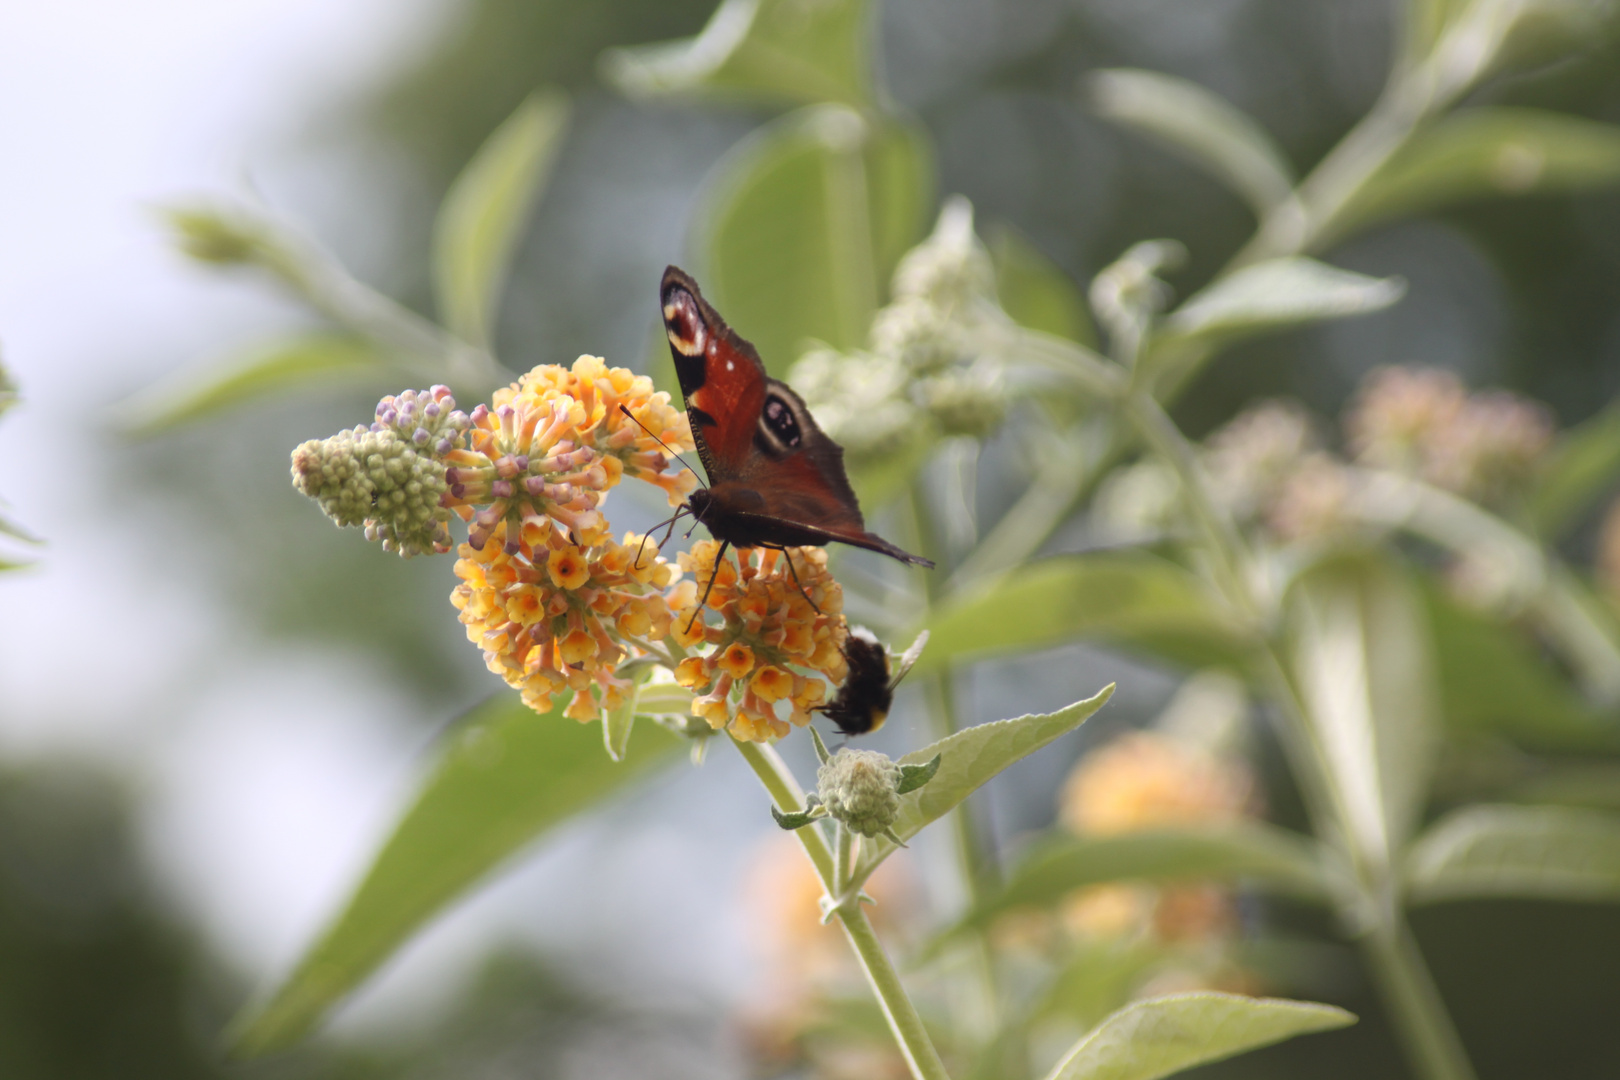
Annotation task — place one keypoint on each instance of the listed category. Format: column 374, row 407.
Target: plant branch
column 904, row 1021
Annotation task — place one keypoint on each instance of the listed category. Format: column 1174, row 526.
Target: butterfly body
column 775, row 478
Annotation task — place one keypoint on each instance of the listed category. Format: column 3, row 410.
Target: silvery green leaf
column 483, row 214
column 302, row 360
column 771, row 49
column 1363, row 663
column 1161, row 1036
column 913, row 777
column 969, row 759
column 1273, row 295
column 1544, row 852
column 1201, row 126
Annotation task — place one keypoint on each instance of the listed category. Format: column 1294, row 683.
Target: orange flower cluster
column 552, row 615
column 551, row 444
column 775, row 619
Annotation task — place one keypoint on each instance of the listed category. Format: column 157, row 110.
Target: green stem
column 904, row 1020
column 1430, row 1039
column 1419, row 1013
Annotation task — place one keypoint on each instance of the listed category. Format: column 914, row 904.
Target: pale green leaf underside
column 1161, row 1036
column 505, row 776
column 970, row 758
column 1200, row 125
column 804, row 223
column 482, row 216
column 1486, row 153
column 1130, row 598
column 771, row 48
column 1271, row 857
column 268, row 369
column 1276, row 294
column 1548, row 852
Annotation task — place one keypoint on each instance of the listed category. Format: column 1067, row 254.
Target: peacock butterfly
column 775, row 479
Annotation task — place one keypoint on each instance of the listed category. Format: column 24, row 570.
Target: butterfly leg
column 792, row 570
column 724, row 544
column 671, row 523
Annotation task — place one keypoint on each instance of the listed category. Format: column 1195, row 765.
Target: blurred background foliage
column 981, row 99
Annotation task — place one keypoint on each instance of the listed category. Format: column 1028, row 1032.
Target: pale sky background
column 266, row 780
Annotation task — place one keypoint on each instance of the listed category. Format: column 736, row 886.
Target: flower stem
column 904, row 1020
column 1419, row 1013
column 1428, row 1035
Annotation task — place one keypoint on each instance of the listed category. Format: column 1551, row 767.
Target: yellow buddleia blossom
column 552, row 615
column 779, row 629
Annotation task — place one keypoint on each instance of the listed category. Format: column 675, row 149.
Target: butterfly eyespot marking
column 779, row 425
column 684, row 324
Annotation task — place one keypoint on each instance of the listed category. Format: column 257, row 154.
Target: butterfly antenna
column 668, row 521
column 724, row 544
column 662, row 443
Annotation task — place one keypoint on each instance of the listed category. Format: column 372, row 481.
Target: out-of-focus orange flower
column 1143, row 779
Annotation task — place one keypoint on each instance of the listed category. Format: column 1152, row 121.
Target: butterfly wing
column 775, row 477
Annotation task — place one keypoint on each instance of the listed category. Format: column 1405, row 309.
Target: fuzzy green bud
column 861, row 788
column 378, row 480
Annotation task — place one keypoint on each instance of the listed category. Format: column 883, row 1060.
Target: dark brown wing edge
column 868, row 540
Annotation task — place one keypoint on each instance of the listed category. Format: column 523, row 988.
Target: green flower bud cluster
column 926, row 375
column 389, row 478
column 861, row 789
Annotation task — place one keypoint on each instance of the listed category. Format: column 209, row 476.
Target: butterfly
column 775, row 479
column 862, row 702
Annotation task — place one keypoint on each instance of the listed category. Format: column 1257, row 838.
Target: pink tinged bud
column 521, row 462
column 535, row 485
column 444, row 446
column 420, row 436
column 478, row 414
column 432, row 410
column 501, row 489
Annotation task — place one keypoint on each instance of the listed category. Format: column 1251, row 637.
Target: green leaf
column 1486, row 153
column 1273, row 295
column 969, row 759
column 483, row 214
column 506, row 776
column 1495, row 679
column 913, row 777
column 1036, row 292
column 1097, row 977
column 1581, row 469
column 806, row 222
column 1164, row 1035
column 1545, row 852
column 1204, row 128
column 1271, row 857
column 770, row 49
column 306, row 359
column 1363, row 664
column 797, row 820
column 1125, row 597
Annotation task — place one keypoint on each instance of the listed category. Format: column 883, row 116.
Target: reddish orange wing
column 775, row 478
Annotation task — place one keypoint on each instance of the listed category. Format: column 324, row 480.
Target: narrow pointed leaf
column 796, row 820
column 970, row 758
column 1036, row 292
column 770, row 49
column 1543, row 852
column 1488, row 153
column 1128, row 598
column 1274, row 295
column 1201, row 126
column 1582, row 469
column 1164, row 1035
column 303, row 360
column 805, row 223
column 1363, row 663
column 483, row 215
column 506, row 775
column 1265, row 855
column 913, row 777
column 1495, row 678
